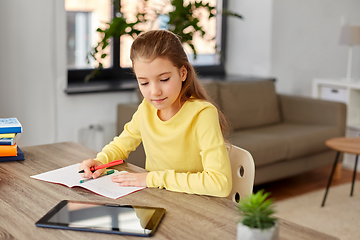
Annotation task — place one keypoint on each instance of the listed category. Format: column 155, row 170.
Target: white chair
column 243, row 172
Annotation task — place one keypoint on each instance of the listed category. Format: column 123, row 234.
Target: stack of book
column 10, row 132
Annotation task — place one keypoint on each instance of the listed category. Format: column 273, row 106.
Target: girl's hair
column 165, row 44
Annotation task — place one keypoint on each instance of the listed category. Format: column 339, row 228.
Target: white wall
column 305, row 42
column 33, row 76
column 248, row 46
column 292, row 40
column 27, row 64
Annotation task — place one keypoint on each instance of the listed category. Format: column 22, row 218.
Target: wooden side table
column 343, row 145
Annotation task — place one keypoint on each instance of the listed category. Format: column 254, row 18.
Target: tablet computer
column 103, row 218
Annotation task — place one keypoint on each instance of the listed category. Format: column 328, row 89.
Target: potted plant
column 257, row 221
column 182, row 19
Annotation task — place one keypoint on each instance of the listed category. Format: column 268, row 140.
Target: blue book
column 20, row 156
column 10, row 125
column 10, row 141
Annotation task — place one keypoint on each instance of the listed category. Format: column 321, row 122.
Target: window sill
column 101, row 86
column 131, row 84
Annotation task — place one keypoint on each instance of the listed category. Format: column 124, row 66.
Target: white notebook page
column 103, row 185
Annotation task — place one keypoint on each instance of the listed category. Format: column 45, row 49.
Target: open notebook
column 103, row 185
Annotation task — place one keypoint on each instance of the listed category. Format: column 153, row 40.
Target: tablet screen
column 106, row 218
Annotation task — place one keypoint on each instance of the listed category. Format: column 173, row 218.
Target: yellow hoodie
column 186, row 153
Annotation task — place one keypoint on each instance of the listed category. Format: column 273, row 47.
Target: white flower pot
column 246, row 233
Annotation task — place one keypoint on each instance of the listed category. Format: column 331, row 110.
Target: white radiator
column 96, row 136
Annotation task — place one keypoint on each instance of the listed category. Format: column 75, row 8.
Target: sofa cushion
column 283, row 141
column 265, row 148
column 249, row 103
column 304, row 139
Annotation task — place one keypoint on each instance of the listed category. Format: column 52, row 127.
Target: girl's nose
column 156, row 90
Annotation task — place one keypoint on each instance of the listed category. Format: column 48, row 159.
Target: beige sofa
column 284, row 134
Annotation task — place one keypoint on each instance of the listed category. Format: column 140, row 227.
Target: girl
column 180, row 129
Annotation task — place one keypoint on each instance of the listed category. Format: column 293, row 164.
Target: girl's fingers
column 127, row 183
column 130, row 179
column 121, row 177
column 97, row 173
column 86, row 165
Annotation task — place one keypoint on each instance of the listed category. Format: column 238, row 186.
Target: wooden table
column 24, row 200
column 342, row 145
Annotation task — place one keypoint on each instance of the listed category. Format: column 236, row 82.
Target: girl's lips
column 158, row 100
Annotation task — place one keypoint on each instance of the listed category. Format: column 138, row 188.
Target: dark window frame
column 120, row 79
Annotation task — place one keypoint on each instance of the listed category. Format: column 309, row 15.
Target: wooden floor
column 304, row 183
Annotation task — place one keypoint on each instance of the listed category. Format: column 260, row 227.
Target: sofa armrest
column 124, row 115
column 309, row 110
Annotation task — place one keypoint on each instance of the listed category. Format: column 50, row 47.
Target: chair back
column 243, row 172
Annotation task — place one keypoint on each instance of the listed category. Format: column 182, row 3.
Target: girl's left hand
column 130, row 179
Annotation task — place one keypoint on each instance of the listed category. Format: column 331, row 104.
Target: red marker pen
column 110, row 164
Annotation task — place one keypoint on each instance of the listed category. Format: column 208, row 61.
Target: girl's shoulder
column 197, row 106
column 200, row 104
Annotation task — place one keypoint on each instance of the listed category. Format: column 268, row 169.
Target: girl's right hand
column 87, row 164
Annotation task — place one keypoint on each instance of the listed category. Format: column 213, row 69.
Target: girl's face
column 160, row 83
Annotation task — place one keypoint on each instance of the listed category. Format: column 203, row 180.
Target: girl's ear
column 183, row 73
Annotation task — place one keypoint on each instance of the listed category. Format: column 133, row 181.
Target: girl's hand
column 130, row 179
column 86, row 164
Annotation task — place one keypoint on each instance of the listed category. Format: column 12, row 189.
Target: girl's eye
column 143, row 83
column 164, row 80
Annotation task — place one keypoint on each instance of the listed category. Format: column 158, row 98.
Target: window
column 85, row 16
column 78, row 39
